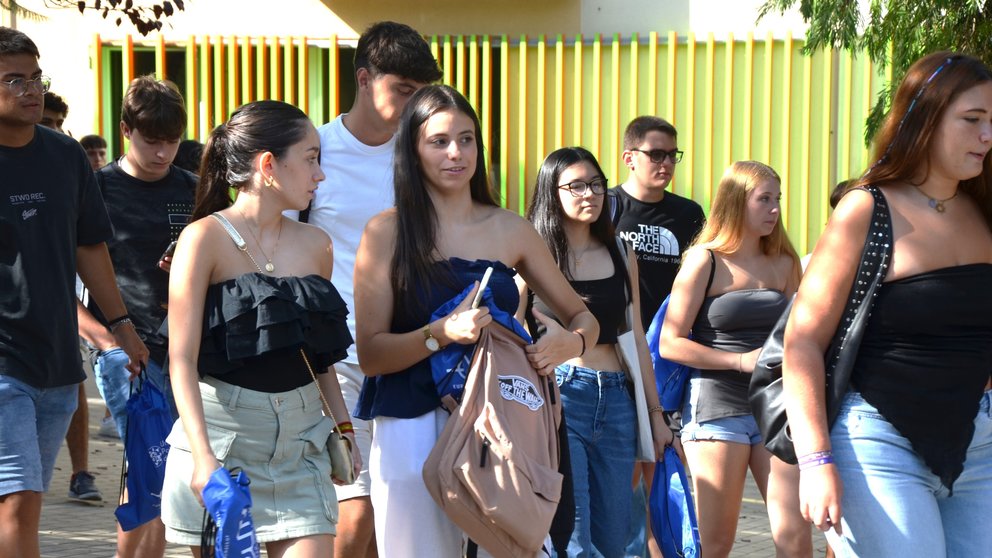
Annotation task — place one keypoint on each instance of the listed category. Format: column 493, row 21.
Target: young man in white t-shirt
column 392, row 61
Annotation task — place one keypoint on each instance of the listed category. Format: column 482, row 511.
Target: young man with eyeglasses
column 659, row 226
column 53, row 224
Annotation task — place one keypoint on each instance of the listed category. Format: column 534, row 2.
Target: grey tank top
column 737, row 322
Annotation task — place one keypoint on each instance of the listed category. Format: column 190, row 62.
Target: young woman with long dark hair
column 445, row 230
column 249, row 327
column 568, row 210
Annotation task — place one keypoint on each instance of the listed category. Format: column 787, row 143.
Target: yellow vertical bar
column 504, row 119
column 303, row 75
column 577, row 93
column 192, row 91
column 127, row 61
column 560, row 91
column 542, row 87
column 612, row 132
column 652, row 74
column 275, row 70
column 690, row 110
column 522, row 125
column 97, row 54
column 787, row 119
column 219, row 82
column 866, row 100
column 672, row 51
column 436, row 51
column 288, row 72
column 261, row 69
column 473, row 71
column 207, row 81
column 769, row 58
column 233, row 75
column 708, row 116
column 748, row 93
column 160, row 69
column 597, row 82
column 806, row 156
column 827, row 113
column 844, row 116
column 487, row 96
column 460, row 71
column 247, row 74
column 449, row 61
column 632, row 79
column 333, row 99
column 728, row 105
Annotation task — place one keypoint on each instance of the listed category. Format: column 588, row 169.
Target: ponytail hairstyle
column 415, row 257
column 548, row 216
column 229, row 156
column 904, row 142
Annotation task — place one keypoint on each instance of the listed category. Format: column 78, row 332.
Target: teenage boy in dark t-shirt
column 659, row 226
column 52, row 226
column 149, row 201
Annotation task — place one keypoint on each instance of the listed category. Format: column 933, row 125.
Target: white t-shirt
column 358, row 184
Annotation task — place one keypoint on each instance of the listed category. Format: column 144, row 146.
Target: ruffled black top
column 254, row 326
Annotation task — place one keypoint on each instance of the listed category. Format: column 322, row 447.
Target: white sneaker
column 108, row 428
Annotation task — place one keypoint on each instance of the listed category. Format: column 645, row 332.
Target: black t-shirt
column 50, row 205
column 658, row 233
column 147, row 216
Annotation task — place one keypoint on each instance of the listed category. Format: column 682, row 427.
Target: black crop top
column 605, row 298
column 926, row 357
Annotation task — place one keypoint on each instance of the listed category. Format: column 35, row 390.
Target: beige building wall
column 65, row 37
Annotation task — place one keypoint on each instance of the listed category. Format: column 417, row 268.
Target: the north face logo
column 521, row 390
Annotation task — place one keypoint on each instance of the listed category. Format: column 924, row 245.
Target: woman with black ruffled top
column 444, row 232
column 252, row 315
column 905, row 470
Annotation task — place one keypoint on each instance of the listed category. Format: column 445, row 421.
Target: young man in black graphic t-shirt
column 659, row 226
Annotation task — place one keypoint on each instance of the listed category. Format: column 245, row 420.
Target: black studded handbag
column 766, row 395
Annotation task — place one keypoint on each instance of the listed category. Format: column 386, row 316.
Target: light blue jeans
column 602, row 428
column 893, row 505
column 113, row 382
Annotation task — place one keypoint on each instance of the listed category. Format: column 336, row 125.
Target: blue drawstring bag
column 670, row 377
column 673, row 517
column 450, row 365
column 149, row 422
column 228, row 530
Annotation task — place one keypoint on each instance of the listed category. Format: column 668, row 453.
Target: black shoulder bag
column 766, row 396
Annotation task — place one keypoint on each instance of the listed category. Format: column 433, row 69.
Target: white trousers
column 408, row 524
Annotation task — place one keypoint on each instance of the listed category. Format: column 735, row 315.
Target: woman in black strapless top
column 905, row 470
column 734, row 284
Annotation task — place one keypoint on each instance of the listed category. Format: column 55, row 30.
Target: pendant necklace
column 934, row 203
column 269, row 266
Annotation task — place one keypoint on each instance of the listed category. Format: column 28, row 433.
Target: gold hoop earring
column 269, row 181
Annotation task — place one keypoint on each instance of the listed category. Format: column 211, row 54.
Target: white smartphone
column 482, row 287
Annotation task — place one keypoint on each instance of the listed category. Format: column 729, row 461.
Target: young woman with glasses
column 735, row 282
column 568, row 212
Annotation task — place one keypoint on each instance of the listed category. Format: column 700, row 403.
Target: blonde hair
column 724, row 229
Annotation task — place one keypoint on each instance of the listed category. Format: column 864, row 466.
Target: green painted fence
column 731, row 98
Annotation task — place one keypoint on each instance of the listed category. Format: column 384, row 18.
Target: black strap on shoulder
column 614, row 204
column 709, row 283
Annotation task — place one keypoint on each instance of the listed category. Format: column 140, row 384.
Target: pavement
column 70, row 529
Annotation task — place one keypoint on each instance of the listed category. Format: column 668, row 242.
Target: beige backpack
column 494, row 469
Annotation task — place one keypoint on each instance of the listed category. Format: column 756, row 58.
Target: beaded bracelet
column 826, row 460
column 112, row 325
column 656, row 409
column 344, row 427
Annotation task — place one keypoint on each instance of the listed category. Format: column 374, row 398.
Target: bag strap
column 239, row 241
column 629, row 314
column 709, row 283
column 327, row 406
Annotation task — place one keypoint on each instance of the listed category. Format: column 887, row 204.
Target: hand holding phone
column 169, row 251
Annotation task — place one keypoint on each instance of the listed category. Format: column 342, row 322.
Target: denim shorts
column 113, row 379
column 33, row 423
column 279, row 440
column 740, row 429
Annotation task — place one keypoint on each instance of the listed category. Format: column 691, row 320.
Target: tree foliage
column 143, row 15
column 893, row 33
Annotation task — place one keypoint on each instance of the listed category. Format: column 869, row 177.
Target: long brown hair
column 905, row 140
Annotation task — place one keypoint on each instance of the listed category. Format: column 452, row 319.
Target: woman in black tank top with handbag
column 735, row 282
column 905, row 469
column 568, row 212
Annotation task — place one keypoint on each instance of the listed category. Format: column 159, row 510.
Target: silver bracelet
column 118, row 323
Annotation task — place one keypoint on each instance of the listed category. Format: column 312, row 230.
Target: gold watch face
column 432, row 344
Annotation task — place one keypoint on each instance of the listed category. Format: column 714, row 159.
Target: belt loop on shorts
column 232, row 403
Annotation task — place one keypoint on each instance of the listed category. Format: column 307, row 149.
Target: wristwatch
column 430, row 341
